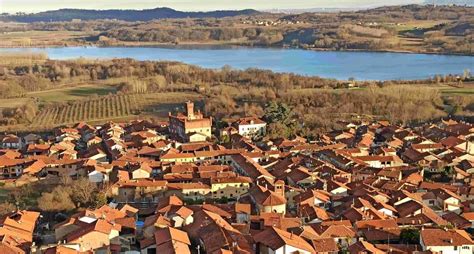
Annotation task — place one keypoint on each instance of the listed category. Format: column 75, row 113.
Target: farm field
column 40, row 38
column 73, row 93
column 110, row 107
column 416, row 24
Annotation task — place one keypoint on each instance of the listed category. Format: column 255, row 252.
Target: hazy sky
column 190, row 5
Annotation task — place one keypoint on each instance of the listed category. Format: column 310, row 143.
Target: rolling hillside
column 126, row 15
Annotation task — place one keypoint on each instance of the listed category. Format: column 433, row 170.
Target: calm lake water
column 339, row 65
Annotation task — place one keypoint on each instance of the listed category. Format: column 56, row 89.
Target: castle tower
column 190, row 110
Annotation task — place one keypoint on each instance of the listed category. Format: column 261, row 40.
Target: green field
column 73, row 93
column 459, row 91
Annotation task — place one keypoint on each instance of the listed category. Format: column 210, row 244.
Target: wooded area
column 85, row 90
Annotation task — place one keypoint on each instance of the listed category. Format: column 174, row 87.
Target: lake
column 329, row 64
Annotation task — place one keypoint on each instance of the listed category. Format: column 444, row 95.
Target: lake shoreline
column 341, row 65
column 230, row 45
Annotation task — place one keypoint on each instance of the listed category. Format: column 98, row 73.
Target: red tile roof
column 276, row 238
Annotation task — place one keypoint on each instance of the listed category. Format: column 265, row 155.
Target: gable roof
column 275, row 238
column 440, row 237
column 171, row 240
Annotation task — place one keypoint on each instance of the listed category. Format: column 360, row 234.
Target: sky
column 12, row 6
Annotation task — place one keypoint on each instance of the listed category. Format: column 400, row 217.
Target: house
column 12, row 142
column 95, row 153
column 141, row 171
column 313, row 214
column 32, row 139
column 454, row 142
column 154, row 222
column 37, row 149
column 245, row 166
column 378, row 230
column 192, row 191
column 67, row 134
column 35, row 168
column 470, row 217
column 313, row 197
column 267, row 200
column 427, row 147
column 146, row 137
column 191, row 125
column 93, row 140
column 448, row 200
column 228, row 132
column 215, row 234
column 242, row 212
column 446, row 241
column 100, row 173
column 325, row 246
column 340, row 231
column 364, row 247
column 124, row 220
column 11, row 167
column 229, row 187
column 250, row 127
column 138, row 190
column 16, row 231
column 172, row 208
column 336, row 188
column 377, row 161
column 275, row 240
column 92, row 234
column 65, row 167
column 167, row 240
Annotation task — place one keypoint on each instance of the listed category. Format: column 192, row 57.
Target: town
column 187, row 185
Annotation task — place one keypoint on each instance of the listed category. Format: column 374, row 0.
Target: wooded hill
column 126, row 15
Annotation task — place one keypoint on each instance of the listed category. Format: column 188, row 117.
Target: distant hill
column 126, row 15
column 449, row 2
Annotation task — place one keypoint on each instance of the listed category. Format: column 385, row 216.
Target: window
column 455, row 247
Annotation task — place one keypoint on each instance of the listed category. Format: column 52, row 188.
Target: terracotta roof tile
column 440, row 237
column 276, row 238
